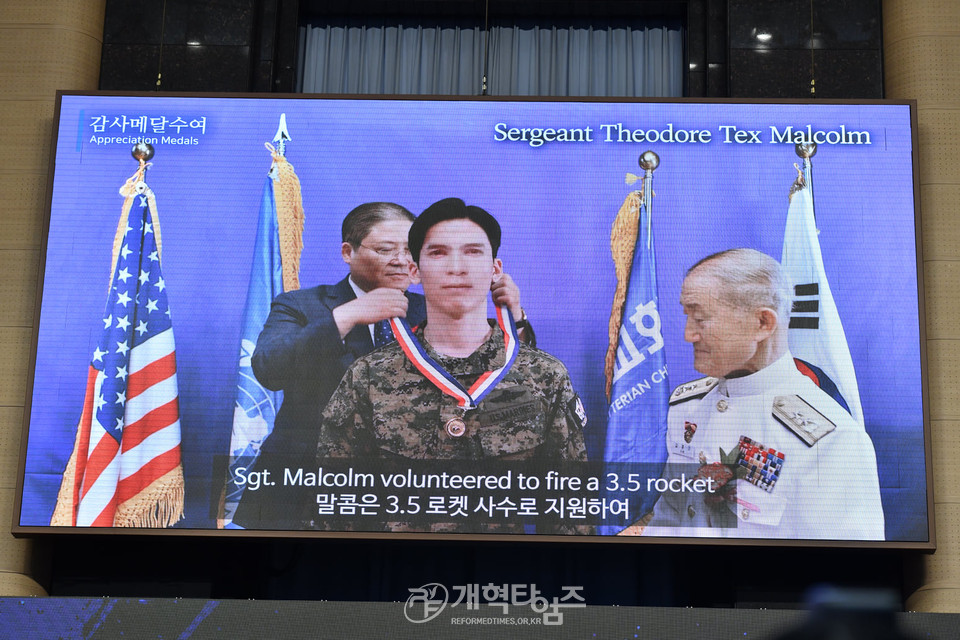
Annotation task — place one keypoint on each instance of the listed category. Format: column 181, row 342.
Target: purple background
column 555, row 202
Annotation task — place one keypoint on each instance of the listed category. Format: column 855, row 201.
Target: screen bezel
column 36, row 530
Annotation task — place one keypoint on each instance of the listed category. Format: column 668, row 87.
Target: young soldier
column 313, row 335
column 455, row 388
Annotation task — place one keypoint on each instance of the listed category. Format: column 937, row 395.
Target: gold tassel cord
column 290, row 217
column 129, row 191
column 623, row 242
column 798, row 184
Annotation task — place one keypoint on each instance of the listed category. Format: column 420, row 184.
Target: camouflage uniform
column 385, row 408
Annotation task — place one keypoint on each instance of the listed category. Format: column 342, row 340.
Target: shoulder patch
column 799, row 416
column 575, row 407
column 692, row 390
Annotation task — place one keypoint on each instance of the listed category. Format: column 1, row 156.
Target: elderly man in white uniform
column 776, row 457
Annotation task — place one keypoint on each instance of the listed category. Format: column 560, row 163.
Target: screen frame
column 928, row 545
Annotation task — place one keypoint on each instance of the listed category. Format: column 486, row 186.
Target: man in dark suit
column 313, row 335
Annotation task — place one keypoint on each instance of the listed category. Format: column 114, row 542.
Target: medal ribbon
column 431, row 369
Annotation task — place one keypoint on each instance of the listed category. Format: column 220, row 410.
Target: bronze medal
column 467, row 399
column 455, row 427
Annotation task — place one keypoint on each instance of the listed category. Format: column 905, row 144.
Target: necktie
column 382, row 333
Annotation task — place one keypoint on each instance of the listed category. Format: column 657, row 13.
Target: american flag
column 125, row 469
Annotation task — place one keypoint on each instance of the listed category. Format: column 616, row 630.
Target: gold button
column 722, row 405
column 691, row 511
column 745, row 514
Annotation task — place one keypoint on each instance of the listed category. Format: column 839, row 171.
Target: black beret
column 451, row 209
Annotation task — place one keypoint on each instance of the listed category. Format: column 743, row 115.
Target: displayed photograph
column 637, row 321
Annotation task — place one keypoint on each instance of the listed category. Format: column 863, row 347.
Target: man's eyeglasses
column 390, row 252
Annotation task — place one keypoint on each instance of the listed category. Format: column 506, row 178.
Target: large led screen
column 707, row 321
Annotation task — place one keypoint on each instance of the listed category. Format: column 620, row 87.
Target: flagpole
column 817, row 339
column 806, row 151
column 636, row 424
column 648, row 161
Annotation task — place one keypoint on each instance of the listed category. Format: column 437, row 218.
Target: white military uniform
column 827, row 489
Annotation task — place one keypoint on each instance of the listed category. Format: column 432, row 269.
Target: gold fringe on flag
column 159, row 505
column 65, row 512
column 222, row 505
column 290, row 217
column 623, row 242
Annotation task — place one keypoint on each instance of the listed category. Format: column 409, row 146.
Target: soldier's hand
column 376, row 305
column 506, row 293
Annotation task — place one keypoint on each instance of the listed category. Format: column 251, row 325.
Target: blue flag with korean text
column 637, row 385
column 276, row 257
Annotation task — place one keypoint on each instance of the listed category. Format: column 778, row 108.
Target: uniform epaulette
column 693, row 390
column 799, row 416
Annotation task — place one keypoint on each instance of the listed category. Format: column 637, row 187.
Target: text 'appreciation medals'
column 466, row 398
